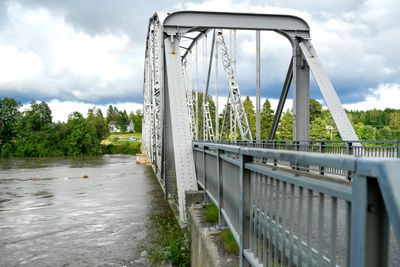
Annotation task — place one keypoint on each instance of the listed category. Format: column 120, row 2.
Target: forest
column 32, row 133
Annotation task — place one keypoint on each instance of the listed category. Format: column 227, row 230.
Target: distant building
column 130, row 127
column 113, row 127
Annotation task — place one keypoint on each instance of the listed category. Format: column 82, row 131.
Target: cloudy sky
column 79, row 53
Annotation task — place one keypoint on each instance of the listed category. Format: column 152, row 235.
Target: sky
column 78, row 54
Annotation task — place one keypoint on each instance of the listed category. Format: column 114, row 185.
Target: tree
column 285, row 128
column 82, row 136
column 95, row 117
column 37, row 116
column 112, row 113
column 251, row 114
column 137, row 119
column 122, row 120
column 267, row 118
column 318, row 130
column 394, row 122
column 9, row 113
column 315, row 109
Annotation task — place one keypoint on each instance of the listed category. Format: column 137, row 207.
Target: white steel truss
column 240, row 116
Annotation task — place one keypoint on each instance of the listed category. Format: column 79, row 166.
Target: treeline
column 369, row 125
column 31, row 133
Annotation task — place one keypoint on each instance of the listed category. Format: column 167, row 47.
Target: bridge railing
column 293, row 217
column 360, row 148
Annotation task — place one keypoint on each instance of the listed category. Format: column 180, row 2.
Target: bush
column 211, row 213
column 7, row 150
column 168, row 242
column 229, row 242
column 123, row 148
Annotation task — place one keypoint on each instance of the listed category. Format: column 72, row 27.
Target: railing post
column 206, row 200
column 369, row 224
column 221, row 221
column 398, row 149
column 349, row 151
column 244, row 208
column 322, row 150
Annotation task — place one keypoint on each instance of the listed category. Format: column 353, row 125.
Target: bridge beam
column 301, row 99
column 180, row 124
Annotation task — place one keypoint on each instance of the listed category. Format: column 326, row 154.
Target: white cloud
column 384, row 96
column 61, row 62
column 61, row 109
column 355, row 42
column 18, row 67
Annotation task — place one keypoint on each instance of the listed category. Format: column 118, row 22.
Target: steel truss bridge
column 301, row 202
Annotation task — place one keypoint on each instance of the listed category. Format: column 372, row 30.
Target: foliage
column 32, row 133
column 229, row 242
column 9, row 115
column 168, row 242
column 211, row 213
column 95, row 118
column 318, row 130
column 251, row 115
column 137, row 119
column 285, row 127
column 82, row 136
column 123, row 148
column 267, row 118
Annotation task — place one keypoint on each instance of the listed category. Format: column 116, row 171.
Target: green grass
column 211, row 213
column 119, row 143
column 229, row 242
column 167, row 241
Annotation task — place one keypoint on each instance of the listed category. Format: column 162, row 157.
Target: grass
column 211, row 213
column 119, row 143
column 229, row 242
column 167, row 241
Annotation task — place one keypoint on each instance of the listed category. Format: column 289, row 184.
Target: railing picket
column 270, row 180
column 291, row 222
column 309, row 226
column 299, row 239
column 276, row 224
column 264, row 205
column 283, row 235
column 321, row 206
column 332, row 253
column 252, row 213
column 258, row 214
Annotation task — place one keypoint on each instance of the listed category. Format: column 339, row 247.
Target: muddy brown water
column 50, row 216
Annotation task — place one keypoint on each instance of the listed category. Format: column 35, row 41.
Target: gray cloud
column 356, row 41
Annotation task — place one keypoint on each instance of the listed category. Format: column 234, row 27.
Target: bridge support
column 301, row 99
column 179, row 124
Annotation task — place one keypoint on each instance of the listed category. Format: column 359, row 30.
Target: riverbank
column 115, row 143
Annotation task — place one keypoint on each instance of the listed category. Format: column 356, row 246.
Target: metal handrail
column 270, row 208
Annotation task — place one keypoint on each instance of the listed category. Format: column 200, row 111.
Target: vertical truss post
column 197, row 93
column 209, row 131
column 301, row 101
column 258, row 83
column 216, row 90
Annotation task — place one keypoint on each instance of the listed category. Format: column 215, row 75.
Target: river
column 50, row 216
